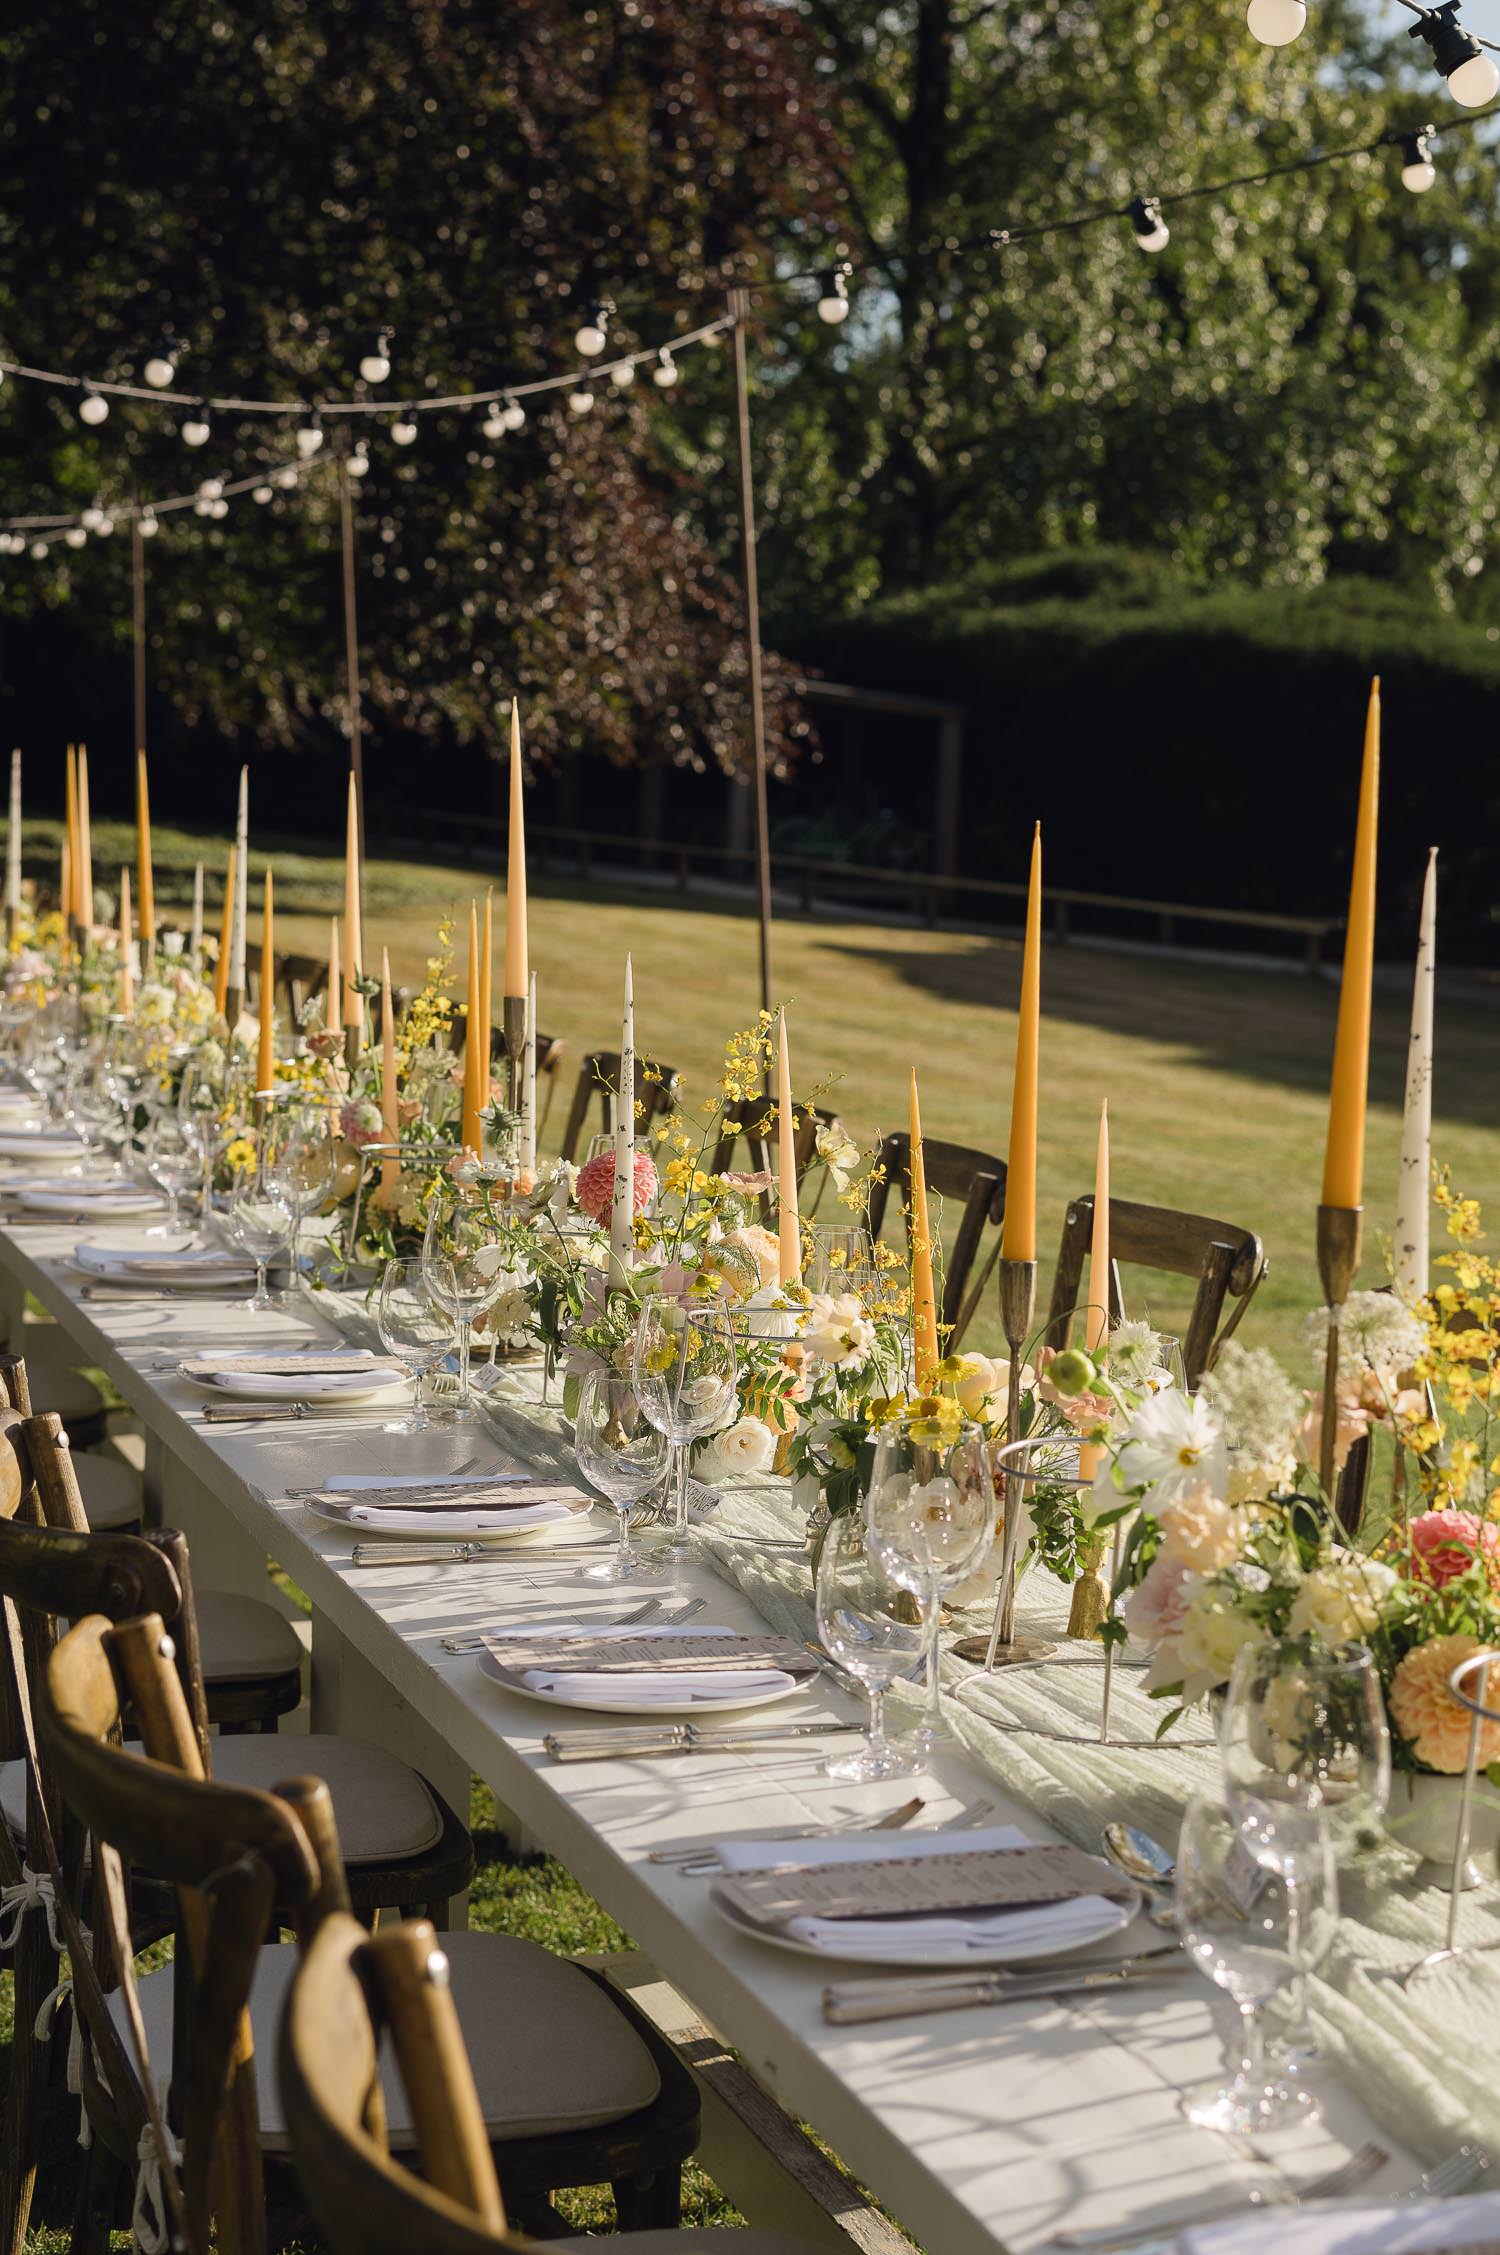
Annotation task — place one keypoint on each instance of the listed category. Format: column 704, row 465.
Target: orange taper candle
column 83, row 865
column 335, row 991
column 1018, row 1237
column 1344, row 1156
column 70, row 835
column 221, row 968
column 472, row 1134
column 265, row 1071
column 354, row 1007
column 486, row 984
column 127, row 950
column 1096, row 1322
column 390, row 1109
column 923, row 1297
column 145, row 880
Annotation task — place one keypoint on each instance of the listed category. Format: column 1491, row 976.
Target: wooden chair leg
column 36, row 1970
column 650, row 2203
column 102, row 2185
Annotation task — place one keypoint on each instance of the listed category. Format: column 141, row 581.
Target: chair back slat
column 759, row 1130
column 972, row 1180
column 657, row 1088
column 1223, row 1261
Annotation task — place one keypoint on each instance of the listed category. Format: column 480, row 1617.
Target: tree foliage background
column 1299, row 391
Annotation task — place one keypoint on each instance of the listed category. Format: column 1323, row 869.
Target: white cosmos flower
column 1173, row 1443
column 765, row 1315
column 838, row 1331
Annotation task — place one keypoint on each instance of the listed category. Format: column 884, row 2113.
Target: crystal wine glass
column 461, row 1269
column 257, row 1226
column 298, row 1163
column 172, row 1164
column 415, row 1330
column 1304, row 1727
column 684, row 1371
column 865, row 1624
column 1255, row 1927
column 201, row 1101
column 622, row 1454
column 931, row 1513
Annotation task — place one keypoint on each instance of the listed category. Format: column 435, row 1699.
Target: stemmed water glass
column 622, row 1454
column 130, row 1080
column 684, row 1370
column 89, row 1105
column 415, row 1330
column 931, row 1514
column 842, row 1258
column 866, row 1624
column 462, row 1273
column 298, row 1165
column 172, row 1164
column 257, row 1226
column 200, row 1108
column 1256, row 1917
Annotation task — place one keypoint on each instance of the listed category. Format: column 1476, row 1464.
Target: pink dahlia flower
column 595, row 1189
column 1445, row 1544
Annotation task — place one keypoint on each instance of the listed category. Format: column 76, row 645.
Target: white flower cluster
column 1376, row 1334
column 1134, row 1353
column 1260, row 1410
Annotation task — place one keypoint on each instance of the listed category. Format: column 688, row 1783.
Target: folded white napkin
column 1345, row 2228
column 163, row 1265
column 312, row 1385
column 547, row 1513
column 677, row 1688
column 989, row 1931
column 285, row 1361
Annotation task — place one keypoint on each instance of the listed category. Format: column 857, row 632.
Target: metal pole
column 739, row 307
column 138, row 627
column 351, row 660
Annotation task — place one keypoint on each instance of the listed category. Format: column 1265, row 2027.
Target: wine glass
column 172, row 1164
column 201, row 1104
column 1305, row 1728
column 257, row 1226
column 1255, row 1926
column 415, row 1330
column 130, row 1079
column 461, row 1270
column 684, row 1371
column 622, row 1454
column 842, row 1258
column 931, row 1514
column 89, row 1106
column 865, row 1624
column 298, row 1164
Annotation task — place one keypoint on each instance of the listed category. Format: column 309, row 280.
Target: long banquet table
column 987, row 2128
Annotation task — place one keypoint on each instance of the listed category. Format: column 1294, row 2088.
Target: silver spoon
column 1148, row 1863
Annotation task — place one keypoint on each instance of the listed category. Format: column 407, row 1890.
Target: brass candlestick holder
column 1004, row 1648
column 513, row 1020
column 1340, row 1229
column 234, row 1006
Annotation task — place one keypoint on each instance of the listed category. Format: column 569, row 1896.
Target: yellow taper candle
column 354, row 1008
column 335, row 990
column 265, row 1071
column 1344, row 1156
column 146, row 882
column 83, row 866
column 70, row 836
column 472, row 1135
column 517, row 959
column 486, row 984
column 923, row 1297
column 786, row 1159
column 127, row 950
column 390, row 1110
column 221, row 968
column 1018, row 1237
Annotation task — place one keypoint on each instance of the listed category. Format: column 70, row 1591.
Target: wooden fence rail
column 817, row 881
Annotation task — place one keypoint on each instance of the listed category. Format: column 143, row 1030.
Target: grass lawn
column 1216, row 1079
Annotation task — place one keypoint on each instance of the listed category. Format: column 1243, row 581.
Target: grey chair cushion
column 54, row 1383
column 13, row 1796
column 383, row 1810
column 110, row 1490
column 549, row 2050
column 243, row 1638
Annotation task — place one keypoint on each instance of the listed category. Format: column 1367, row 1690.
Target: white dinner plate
column 702, row 1710
column 414, row 1527
column 267, row 1386
column 87, row 1203
column 1113, row 1919
column 43, row 1148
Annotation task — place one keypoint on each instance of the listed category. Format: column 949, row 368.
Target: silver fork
column 706, row 1865
column 1461, row 2169
column 886, row 1822
column 646, row 1612
column 1349, row 2175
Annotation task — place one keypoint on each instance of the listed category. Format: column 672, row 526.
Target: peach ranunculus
column 1155, row 1608
column 1426, row 1713
column 1200, row 1531
column 1353, row 1424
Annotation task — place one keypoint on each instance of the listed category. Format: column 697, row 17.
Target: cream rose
column 1200, row 1532
column 1341, row 1603
column 740, row 1451
column 1213, row 1632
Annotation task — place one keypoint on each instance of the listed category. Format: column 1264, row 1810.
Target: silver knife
column 263, row 1413
column 847, row 2003
column 684, row 1738
column 386, row 1552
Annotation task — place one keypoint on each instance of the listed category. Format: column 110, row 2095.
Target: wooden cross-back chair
column 758, row 1129
column 1225, row 1262
column 590, row 2093
column 298, row 979
column 657, row 1088
column 551, row 1049
column 349, row 1990
column 974, row 1181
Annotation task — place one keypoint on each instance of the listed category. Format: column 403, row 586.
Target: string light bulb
column 1151, row 231
column 403, row 430
column 376, row 364
column 286, row 477
column 593, row 335
column 664, row 374
column 218, row 508
column 622, row 375
column 39, row 549
column 359, row 462
column 210, row 489
column 309, row 438
column 1276, row 23
column 75, row 536
column 513, row 415
column 494, row 424
column 147, row 524
column 263, row 494
column 161, row 369
column 93, row 407
column 581, row 400
column 91, row 518
column 833, row 296
column 1472, row 76
column 196, row 431
column 105, row 526
column 1418, row 172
